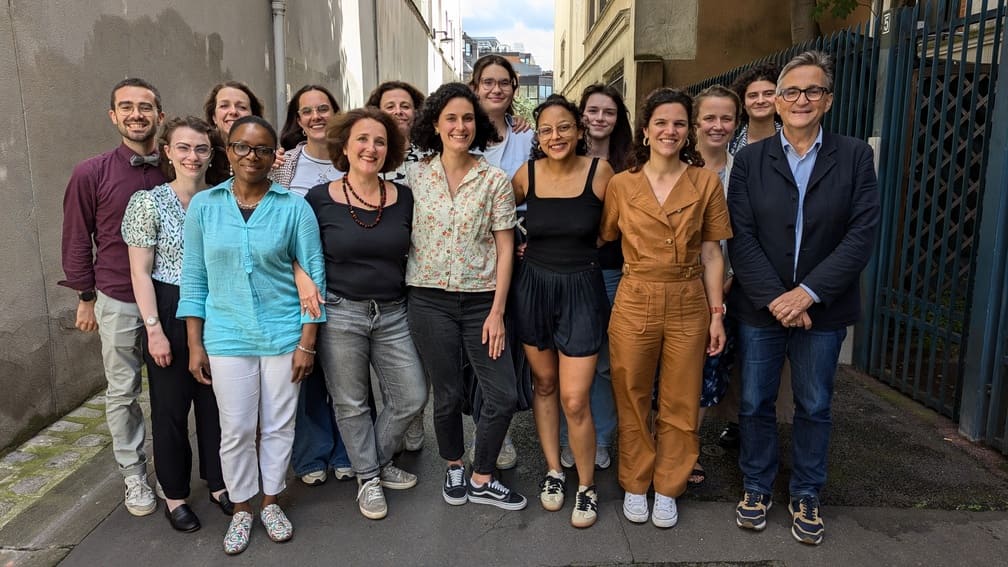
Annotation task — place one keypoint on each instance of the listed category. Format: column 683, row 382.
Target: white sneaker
column 315, row 478
column 566, row 457
column 414, row 438
column 139, row 498
column 602, row 460
column 371, row 499
column 159, row 491
column 665, row 514
column 508, row 456
column 635, row 507
column 343, row 473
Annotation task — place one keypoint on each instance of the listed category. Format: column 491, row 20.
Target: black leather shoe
column 729, row 438
column 182, row 518
column 225, row 503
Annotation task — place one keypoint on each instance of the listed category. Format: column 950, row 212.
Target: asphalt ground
column 904, row 489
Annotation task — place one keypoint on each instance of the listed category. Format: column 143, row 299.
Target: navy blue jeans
column 813, row 356
column 317, row 442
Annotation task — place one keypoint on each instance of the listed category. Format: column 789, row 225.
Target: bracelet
column 303, row 349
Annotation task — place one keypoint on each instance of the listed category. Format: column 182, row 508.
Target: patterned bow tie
column 137, row 161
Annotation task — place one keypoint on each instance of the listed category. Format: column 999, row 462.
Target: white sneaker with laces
column 139, row 498
column 315, row 478
column 665, row 514
column 635, row 507
column 395, row 478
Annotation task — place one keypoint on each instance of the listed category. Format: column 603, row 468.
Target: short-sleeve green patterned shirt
column 155, row 219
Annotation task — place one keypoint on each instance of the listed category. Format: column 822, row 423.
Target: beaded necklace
column 353, row 213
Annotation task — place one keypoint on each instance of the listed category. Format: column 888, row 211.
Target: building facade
column 61, row 57
column 639, row 45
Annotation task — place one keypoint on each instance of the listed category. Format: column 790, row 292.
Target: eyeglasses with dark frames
column 242, row 149
column 813, row 94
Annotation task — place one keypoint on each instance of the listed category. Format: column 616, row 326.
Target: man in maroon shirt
column 96, row 265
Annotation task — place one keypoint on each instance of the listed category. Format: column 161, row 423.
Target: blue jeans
column 357, row 336
column 603, row 407
column 813, row 356
column 317, row 442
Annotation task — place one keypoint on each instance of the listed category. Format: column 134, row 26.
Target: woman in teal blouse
column 247, row 333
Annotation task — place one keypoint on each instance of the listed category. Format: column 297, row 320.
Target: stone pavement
column 904, row 489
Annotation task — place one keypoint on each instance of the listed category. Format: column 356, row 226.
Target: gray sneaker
column 414, row 438
column 371, row 499
column 139, row 498
column 395, row 478
column 566, row 457
column 508, row 456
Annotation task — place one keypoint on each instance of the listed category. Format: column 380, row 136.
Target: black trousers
column 447, row 328
column 173, row 391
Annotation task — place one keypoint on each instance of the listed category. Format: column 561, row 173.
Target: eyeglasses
column 504, row 84
column 201, row 151
column 242, row 149
column 321, row 109
column 561, row 129
column 812, row 94
column 127, row 108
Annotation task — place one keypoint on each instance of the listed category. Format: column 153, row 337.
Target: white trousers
column 251, row 391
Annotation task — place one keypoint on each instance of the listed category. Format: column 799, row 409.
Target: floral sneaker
column 236, row 539
column 278, row 527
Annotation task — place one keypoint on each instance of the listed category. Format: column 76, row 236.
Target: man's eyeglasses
column 322, row 109
column 242, row 149
column 504, row 84
column 813, row 94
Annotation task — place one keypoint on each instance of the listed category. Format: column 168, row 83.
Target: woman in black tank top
column 560, row 305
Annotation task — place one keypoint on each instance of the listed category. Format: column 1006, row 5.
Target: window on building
column 563, row 57
column 595, row 10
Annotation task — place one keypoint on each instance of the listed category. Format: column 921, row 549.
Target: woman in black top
column 560, row 302
column 365, row 224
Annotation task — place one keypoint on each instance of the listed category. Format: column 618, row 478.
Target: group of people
column 441, row 244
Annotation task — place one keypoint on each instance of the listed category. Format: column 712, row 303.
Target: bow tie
column 152, row 159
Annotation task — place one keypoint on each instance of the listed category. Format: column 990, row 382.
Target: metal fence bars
column 935, row 144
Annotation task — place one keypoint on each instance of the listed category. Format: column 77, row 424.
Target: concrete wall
column 59, row 59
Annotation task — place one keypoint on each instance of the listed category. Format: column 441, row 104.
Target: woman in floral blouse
column 152, row 227
column 459, row 270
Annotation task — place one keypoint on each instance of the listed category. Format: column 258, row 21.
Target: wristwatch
column 88, row 295
column 151, row 321
column 719, row 309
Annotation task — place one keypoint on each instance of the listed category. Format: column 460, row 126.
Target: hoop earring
column 647, row 142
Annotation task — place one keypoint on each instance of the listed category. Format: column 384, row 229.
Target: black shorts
column 568, row 312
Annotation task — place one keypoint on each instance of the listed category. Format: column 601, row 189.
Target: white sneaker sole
column 664, row 522
column 454, row 501
column 395, row 485
column 373, row 515
column 141, row 510
column 494, row 502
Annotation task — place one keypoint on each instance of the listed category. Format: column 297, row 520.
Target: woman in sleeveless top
column 560, row 302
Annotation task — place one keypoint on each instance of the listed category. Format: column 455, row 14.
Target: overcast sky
column 529, row 22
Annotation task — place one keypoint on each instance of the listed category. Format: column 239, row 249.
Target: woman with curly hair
column 560, row 306
column 459, row 272
column 671, row 213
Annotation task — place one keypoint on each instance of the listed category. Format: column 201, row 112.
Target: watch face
column 151, row 321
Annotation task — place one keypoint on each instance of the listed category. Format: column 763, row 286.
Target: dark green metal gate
column 935, row 144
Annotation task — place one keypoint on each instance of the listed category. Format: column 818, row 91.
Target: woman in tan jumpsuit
column 668, row 311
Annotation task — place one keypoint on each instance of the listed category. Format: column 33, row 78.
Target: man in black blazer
column 804, row 208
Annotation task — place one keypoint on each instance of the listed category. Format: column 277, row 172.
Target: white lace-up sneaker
column 665, row 514
column 635, row 507
column 139, row 499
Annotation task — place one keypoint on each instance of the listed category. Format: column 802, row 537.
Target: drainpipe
column 279, row 58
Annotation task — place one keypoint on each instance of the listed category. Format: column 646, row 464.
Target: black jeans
column 173, row 391
column 445, row 325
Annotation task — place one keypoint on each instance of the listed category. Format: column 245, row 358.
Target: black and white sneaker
column 454, row 489
column 496, row 494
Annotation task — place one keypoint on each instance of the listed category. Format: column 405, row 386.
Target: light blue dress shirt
column 238, row 276
column 801, row 169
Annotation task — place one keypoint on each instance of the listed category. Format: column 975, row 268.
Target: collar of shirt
column 792, row 153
